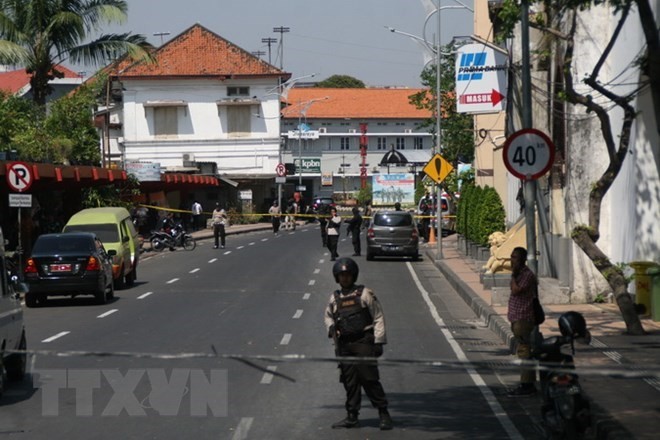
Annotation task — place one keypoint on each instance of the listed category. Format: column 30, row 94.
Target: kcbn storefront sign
column 309, row 164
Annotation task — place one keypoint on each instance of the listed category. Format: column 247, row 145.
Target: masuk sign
column 480, row 79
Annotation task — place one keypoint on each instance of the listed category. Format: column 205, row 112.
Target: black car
column 68, row 264
column 322, row 204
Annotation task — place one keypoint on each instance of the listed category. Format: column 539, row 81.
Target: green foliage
column 112, row 195
column 365, row 195
column 41, row 34
column 341, row 82
column 16, row 116
column 480, row 213
column 457, row 128
column 420, row 190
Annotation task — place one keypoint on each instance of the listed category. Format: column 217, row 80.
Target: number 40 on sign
column 528, row 154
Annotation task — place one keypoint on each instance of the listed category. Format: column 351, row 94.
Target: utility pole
column 258, row 53
column 269, row 41
column 161, row 35
column 281, row 30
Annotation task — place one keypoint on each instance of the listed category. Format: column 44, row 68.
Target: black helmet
column 345, row 265
column 573, row 325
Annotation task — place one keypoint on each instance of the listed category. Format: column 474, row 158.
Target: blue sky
column 326, row 37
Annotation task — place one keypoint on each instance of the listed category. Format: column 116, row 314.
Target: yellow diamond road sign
column 438, row 168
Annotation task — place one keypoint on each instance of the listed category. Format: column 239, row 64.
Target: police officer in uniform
column 354, row 319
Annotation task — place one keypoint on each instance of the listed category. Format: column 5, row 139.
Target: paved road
column 261, row 296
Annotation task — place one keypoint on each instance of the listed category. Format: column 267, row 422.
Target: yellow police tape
column 239, row 214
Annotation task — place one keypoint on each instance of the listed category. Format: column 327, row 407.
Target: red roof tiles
column 13, row 81
column 353, row 103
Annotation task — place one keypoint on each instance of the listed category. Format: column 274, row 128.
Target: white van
column 12, row 331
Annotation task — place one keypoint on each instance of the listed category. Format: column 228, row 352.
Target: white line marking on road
column 490, row 398
column 317, row 271
column 240, row 247
column 312, row 282
column 213, row 260
column 298, row 314
column 173, row 280
column 59, row 335
column 194, row 270
column 286, row 339
column 144, row 295
column 251, row 244
column 268, row 377
column 241, row 432
column 321, row 261
column 227, row 252
column 264, row 239
column 306, row 296
column 108, row 313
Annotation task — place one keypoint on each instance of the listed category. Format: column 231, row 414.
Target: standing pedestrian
column 354, row 320
column 196, row 215
column 219, row 220
column 354, row 226
column 334, row 222
column 274, row 212
column 323, row 222
column 524, row 288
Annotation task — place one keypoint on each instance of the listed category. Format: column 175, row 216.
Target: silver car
column 393, row 233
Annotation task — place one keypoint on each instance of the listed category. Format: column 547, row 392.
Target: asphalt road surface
column 230, row 344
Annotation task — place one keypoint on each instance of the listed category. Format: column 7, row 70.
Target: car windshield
column 58, row 244
column 106, row 232
column 392, row 219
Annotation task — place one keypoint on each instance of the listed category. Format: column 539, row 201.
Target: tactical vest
column 350, row 317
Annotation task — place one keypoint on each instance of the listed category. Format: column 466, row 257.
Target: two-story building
column 195, row 109
column 322, row 130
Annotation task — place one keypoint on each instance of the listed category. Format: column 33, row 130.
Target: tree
column 341, row 82
column 565, row 12
column 457, row 128
column 41, row 34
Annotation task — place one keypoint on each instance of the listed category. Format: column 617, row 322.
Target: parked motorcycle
column 176, row 237
column 565, row 412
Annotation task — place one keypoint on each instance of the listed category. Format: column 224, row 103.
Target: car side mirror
column 125, row 239
column 112, row 252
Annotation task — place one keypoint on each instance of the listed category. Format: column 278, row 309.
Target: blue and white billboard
column 481, row 79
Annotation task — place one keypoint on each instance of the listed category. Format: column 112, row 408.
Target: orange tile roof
column 353, row 103
column 13, row 81
column 198, row 52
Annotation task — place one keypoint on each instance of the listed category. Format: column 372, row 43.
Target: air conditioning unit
column 188, row 157
column 407, row 130
column 352, row 130
column 323, row 130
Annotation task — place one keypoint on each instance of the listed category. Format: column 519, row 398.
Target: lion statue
column 495, row 264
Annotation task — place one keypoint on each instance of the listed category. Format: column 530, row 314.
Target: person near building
column 354, row 320
column 291, row 211
column 354, row 226
column 219, row 220
column 275, row 213
column 323, row 222
column 334, row 223
column 524, row 285
column 196, row 216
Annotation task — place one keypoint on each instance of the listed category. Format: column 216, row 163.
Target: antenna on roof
column 161, row 35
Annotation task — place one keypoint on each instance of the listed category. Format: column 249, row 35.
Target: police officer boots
column 385, row 419
column 351, row 421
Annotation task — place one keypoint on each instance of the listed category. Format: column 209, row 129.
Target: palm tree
column 41, row 34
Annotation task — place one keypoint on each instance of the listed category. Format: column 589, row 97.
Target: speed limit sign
column 528, row 154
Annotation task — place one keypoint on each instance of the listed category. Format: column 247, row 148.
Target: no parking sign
column 19, row 177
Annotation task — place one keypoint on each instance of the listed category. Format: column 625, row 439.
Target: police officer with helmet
column 354, row 319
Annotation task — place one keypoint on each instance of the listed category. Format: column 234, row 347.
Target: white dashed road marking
column 59, row 335
column 144, row 295
column 268, row 377
column 312, row 282
column 264, row 239
column 194, row 270
column 213, row 260
column 286, row 339
column 240, row 247
column 241, row 432
column 251, row 244
column 298, row 314
column 173, row 280
column 227, row 252
column 307, row 296
column 317, row 271
column 108, row 313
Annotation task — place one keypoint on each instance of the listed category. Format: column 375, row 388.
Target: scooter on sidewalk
column 565, row 412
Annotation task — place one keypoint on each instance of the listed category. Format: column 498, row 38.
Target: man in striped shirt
column 524, row 287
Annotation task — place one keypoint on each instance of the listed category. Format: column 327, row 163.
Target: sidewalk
column 624, row 408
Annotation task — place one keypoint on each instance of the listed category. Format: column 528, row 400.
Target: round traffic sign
column 528, row 154
column 280, row 169
column 19, row 177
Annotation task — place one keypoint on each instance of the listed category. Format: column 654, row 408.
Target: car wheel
column 3, row 375
column 31, row 299
column 119, row 281
column 415, row 256
column 370, row 256
column 16, row 364
column 130, row 278
column 111, row 291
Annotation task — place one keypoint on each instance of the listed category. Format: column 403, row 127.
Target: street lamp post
column 304, row 106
